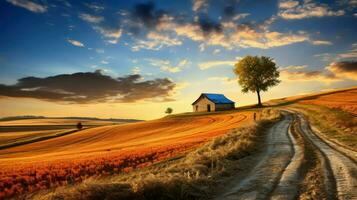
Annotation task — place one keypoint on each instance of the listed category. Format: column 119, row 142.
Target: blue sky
column 165, row 53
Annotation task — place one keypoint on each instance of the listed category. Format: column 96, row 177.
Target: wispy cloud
column 75, row 43
column 314, row 75
column 199, row 4
column 295, row 67
column 111, row 34
column 95, row 7
column 155, row 41
column 136, row 70
column 222, row 79
column 288, row 4
column 29, row 5
column 296, row 10
column 216, row 63
column 349, row 54
column 321, row 42
column 91, row 18
column 165, row 65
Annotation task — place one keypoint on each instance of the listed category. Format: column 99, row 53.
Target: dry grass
column 333, row 123
column 190, row 177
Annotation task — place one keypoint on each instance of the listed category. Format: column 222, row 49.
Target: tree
column 256, row 74
column 169, row 110
column 79, row 126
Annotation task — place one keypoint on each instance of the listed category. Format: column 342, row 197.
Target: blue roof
column 216, row 98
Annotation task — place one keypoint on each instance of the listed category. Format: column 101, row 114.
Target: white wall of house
column 201, row 105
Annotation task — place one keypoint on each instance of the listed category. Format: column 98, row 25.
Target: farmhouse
column 212, row 102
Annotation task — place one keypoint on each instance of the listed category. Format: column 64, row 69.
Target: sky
column 133, row 59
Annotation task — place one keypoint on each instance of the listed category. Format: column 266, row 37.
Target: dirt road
column 283, row 169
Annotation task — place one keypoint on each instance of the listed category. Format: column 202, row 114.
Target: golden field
column 108, row 149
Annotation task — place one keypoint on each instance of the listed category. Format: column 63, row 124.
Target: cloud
column 247, row 37
column 146, row 14
column 222, row 79
column 165, row 65
column 90, row 87
column 288, row 4
column 95, row 7
column 335, row 71
column 289, row 10
column 295, row 67
column 240, row 16
column 231, row 35
column 91, row 18
column 136, row 70
column 349, row 54
column 75, row 43
column 315, row 75
column 199, row 4
column 321, row 42
column 343, row 69
column 29, row 5
column 350, row 3
column 155, row 41
column 216, row 51
column 111, row 34
column 215, row 63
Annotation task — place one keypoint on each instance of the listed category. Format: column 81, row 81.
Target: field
column 107, row 150
column 20, row 131
column 345, row 99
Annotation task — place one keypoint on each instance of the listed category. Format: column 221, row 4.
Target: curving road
column 278, row 173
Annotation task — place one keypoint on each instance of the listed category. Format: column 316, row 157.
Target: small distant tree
column 79, row 126
column 256, row 74
column 169, row 111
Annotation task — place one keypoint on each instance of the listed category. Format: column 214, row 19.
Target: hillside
column 163, row 132
column 344, row 99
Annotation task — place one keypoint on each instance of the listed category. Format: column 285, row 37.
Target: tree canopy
column 256, row 74
column 169, row 110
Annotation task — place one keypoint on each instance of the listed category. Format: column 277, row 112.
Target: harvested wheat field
column 54, row 121
column 108, row 149
column 345, row 100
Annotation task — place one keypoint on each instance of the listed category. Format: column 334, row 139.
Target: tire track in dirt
column 288, row 185
column 343, row 167
column 265, row 176
column 282, row 169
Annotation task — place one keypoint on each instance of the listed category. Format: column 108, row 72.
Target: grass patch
column 193, row 176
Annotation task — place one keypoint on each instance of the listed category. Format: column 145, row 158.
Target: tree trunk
column 259, row 102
